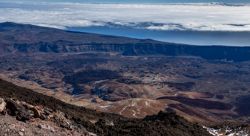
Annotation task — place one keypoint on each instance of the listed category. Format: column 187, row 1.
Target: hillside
column 82, row 120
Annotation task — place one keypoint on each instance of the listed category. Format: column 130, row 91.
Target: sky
column 196, row 17
column 199, row 22
column 138, row 1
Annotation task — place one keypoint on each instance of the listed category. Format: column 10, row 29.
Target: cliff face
column 28, row 38
column 34, row 108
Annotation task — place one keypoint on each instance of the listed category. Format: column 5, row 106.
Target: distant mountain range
column 22, row 38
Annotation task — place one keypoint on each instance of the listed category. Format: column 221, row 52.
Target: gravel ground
column 9, row 126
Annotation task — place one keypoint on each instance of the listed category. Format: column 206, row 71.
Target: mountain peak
column 13, row 26
column 9, row 24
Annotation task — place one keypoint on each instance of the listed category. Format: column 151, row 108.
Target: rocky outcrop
column 16, row 108
column 25, row 112
column 168, row 121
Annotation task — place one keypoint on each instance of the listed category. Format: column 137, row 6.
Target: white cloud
column 202, row 17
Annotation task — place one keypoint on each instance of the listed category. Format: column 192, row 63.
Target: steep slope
column 168, row 124
column 28, row 38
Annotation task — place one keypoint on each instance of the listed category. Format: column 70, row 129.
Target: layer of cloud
column 200, row 17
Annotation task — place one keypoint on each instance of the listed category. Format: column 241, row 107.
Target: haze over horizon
column 135, row 1
column 139, row 19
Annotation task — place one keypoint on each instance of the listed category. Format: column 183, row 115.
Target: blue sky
column 162, row 1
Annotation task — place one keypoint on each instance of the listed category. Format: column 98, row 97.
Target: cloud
column 200, row 17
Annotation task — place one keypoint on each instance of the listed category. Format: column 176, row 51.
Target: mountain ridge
column 30, row 38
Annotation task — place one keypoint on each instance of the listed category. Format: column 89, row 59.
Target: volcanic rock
column 2, row 105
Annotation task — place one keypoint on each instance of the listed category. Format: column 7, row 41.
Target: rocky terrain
column 229, row 129
column 25, row 112
column 129, row 77
column 200, row 90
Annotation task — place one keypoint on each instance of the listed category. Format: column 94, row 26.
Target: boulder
column 15, row 108
column 62, row 120
column 2, row 105
column 24, row 115
column 34, row 109
column 37, row 113
column 12, row 107
column 26, row 105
